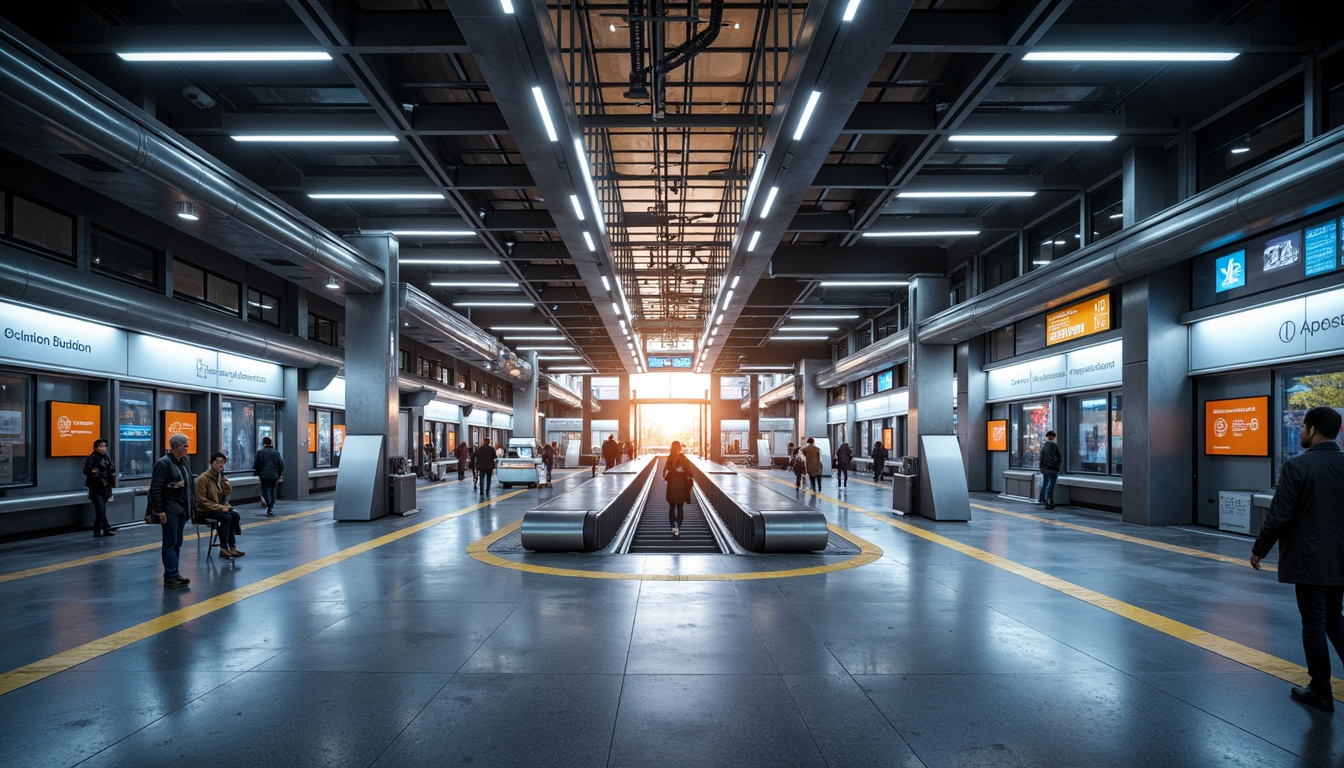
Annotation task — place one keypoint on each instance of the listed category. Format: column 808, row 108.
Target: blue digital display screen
column 884, row 381
column 659, row 361
column 1322, row 247
column 681, row 362
column 134, row 433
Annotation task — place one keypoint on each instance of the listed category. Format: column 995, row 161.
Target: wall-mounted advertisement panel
column 884, row 381
column 161, row 360
column 312, row 437
column 48, row 340
column 1237, row 427
column 1278, row 258
column 1079, row 320
column 1308, row 326
column 180, row 423
column 996, row 434
column 837, row 414
column 72, row 428
column 1088, row 368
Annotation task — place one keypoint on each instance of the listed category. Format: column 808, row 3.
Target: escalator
column 653, row 534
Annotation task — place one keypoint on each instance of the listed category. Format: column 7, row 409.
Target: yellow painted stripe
column 1189, row 551
column 60, row 662
column 1229, row 649
column 480, row 550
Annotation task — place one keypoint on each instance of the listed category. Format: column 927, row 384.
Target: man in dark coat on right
column 1306, row 521
column 611, row 451
column 485, row 465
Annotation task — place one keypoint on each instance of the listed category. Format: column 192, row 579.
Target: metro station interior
column 380, row 233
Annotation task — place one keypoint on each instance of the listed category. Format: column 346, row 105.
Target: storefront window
column 1029, row 423
column 1299, row 393
column 16, row 431
column 135, row 432
column 238, row 432
column 324, row 438
column 1089, row 427
column 1117, row 435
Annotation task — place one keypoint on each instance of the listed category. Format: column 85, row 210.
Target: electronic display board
column 180, row 423
column 72, row 428
column 1237, row 427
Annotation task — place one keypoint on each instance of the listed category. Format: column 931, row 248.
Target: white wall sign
column 837, row 414
column 1086, row 368
column 478, row 417
column 871, row 408
column 154, row 359
column 333, row 395
column 437, row 411
column 564, row 425
column 49, row 340
column 245, row 375
column 501, row 420
column 1310, row 325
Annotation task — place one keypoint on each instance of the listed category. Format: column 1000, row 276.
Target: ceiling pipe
column 476, row 344
column 867, row 361
column 58, row 115
column 449, row 394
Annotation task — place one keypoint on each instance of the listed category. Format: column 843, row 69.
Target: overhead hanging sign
column 1078, row 320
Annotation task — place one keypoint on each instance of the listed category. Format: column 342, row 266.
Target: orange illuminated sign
column 1238, row 427
column 886, row 438
column 312, row 437
column 180, row 423
column 337, row 438
column 1078, row 320
column 996, row 434
column 72, row 428
column 452, row 442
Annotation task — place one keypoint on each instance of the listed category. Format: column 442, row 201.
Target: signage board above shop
column 1078, row 320
column 1307, row 326
column 1080, row 369
column 1278, row 258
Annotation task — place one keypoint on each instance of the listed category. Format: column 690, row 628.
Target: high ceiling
column 687, row 117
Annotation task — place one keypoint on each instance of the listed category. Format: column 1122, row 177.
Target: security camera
column 197, row 97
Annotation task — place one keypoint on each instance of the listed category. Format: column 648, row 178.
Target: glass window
column 1089, row 430
column 135, row 432
column 324, row 438
column 1028, row 423
column 262, row 308
column 16, row 430
column 4, row 212
column 1257, row 131
column 733, row 387
column 1054, row 238
column 1000, row 265
column 1117, row 436
column 238, row 433
column 1001, row 343
column 122, row 258
column 1298, row 393
column 1332, row 86
column 323, row 331
column 266, row 426
column 188, row 281
column 1108, row 210
column 222, row 292
column 41, row 226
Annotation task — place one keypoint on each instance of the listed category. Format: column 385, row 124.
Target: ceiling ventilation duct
column 477, row 345
column 679, row 56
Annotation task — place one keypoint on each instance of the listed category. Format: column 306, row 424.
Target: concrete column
column 811, row 400
column 292, row 434
column 973, row 412
column 753, row 417
column 525, row 404
column 1143, row 182
column 585, row 395
column 623, row 425
column 931, row 366
column 1158, row 466
column 371, row 398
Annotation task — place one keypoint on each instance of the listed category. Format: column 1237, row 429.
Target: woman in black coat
column 99, row 477
column 677, row 473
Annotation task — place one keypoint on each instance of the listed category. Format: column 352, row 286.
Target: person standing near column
column 171, row 498
column 463, row 452
column 548, row 459
column 99, row 477
column 1304, row 519
column 812, row 458
column 485, row 465
column 843, row 455
column 1051, row 461
column 271, row 469
column 879, row 460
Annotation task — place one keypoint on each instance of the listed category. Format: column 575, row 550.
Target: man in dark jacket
column 463, row 452
column 611, row 452
column 99, row 477
column 843, row 455
column 1051, row 460
column 271, row 469
column 485, row 465
column 171, row 498
column 1305, row 520
column 879, row 460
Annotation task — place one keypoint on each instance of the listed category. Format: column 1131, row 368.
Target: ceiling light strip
column 588, row 182
column 540, row 98
column 1170, row 56
column 807, row 115
column 224, row 56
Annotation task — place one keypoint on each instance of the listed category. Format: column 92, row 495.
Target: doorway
column 658, row 424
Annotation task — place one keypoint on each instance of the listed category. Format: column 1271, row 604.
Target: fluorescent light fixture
column 259, row 305
column 1130, row 56
column 473, row 284
column 727, row 298
column 508, row 5
column 970, row 193
column 622, row 322
column 769, row 201
column 810, row 318
column 1061, row 242
column 926, row 233
column 316, row 138
column 606, row 286
column 521, row 328
column 720, row 320
column 807, row 115
column 798, row 338
column 588, row 239
column 535, row 338
column 450, row 262
column 432, row 232
column 850, row 10
column 540, row 98
column 575, row 368
column 545, row 349
column 559, row 357
column 1116, row 216
column 1240, row 150
column 755, row 238
column 187, row 211
column 578, row 206
column 232, row 56
column 809, row 328
column 333, row 283
column 735, row 279
column 1032, row 137
column 864, row 283
column 765, row 367
column 375, row 195
column 616, row 308
column 1039, row 263
column 713, row 331
column 588, row 181
column 493, row 304
column 756, row 173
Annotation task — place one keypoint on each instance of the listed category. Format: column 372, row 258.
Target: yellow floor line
column 480, row 550
column 31, row 673
column 1190, row 551
column 1229, row 649
column 16, row 575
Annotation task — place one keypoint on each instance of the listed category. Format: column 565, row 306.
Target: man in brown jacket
column 212, row 501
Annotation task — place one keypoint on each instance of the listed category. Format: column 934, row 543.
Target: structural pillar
column 1158, row 466
column 973, row 412
column 753, row 418
column 371, row 398
column 525, row 404
column 1143, row 183
column 932, row 368
column 585, row 395
column 811, row 400
column 623, row 411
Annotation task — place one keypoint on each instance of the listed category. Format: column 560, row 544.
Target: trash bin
column 904, row 493
column 402, row 489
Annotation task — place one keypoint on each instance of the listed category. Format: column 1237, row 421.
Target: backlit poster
column 312, row 437
column 180, row 423
column 1321, row 246
column 1237, row 427
column 338, row 440
column 1282, row 252
column 1078, row 320
column 72, row 428
column 1231, row 271
column 996, row 434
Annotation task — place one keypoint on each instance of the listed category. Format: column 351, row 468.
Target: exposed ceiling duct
column 867, row 361
column 72, row 127
column 449, row 394
column 476, row 344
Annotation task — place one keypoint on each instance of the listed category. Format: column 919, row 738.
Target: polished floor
column 1021, row 638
